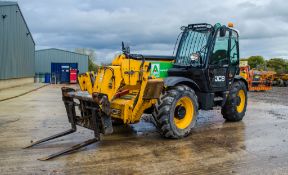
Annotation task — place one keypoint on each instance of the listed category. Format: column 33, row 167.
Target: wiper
column 202, row 49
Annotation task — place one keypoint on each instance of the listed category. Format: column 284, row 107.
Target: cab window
column 234, row 54
column 220, row 51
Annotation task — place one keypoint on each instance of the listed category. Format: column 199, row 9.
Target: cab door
column 234, row 56
column 219, row 62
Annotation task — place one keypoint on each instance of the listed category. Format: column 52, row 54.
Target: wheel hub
column 241, row 100
column 180, row 112
column 238, row 100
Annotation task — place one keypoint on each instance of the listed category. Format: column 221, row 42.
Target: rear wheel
column 235, row 106
column 176, row 111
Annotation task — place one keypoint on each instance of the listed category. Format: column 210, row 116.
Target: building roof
column 11, row 3
column 6, row 3
column 61, row 50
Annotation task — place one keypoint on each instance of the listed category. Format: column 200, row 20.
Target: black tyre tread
column 229, row 111
column 163, row 107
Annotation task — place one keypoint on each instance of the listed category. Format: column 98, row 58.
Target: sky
column 151, row 26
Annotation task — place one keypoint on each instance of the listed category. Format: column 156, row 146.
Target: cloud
column 152, row 26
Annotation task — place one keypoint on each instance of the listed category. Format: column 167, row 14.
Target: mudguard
column 240, row 78
column 175, row 80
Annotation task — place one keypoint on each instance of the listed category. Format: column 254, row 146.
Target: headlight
column 194, row 56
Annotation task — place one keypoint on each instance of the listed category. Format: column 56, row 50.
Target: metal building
column 17, row 47
column 58, row 63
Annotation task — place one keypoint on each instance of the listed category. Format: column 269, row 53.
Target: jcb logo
column 219, row 78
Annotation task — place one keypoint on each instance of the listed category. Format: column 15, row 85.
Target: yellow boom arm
column 128, row 86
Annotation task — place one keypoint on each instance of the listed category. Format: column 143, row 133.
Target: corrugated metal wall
column 44, row 58
column 17, row 49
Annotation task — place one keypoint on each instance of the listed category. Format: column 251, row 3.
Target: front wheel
column 176, row 112
column 235, row 105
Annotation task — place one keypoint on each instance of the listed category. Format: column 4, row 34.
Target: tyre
column 235, row 106
column 176, row 111
column 281, row 83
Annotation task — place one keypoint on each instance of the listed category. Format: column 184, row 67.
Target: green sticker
column 159, row 69
column 156, row 70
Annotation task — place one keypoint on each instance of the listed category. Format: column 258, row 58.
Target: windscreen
column 191, row 42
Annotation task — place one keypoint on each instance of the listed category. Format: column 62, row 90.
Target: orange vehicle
column 281, row 80
column 257, row 80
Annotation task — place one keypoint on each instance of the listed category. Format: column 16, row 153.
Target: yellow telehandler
column 204, row 73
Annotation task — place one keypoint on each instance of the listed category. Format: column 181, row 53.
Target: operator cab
column 208, row 55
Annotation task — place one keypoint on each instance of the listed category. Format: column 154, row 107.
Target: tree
column 91, row 57
column 279, row 65
column 256, row 62
column 92, row 66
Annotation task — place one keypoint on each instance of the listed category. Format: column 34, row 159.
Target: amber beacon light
column 230, row 24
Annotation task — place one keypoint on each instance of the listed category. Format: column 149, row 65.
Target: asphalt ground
column 256, row 145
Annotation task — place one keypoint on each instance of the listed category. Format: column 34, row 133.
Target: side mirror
column 123, row 46
column 222, row 31
column 125, row 49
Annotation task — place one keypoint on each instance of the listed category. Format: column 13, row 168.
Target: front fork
column 92, row 118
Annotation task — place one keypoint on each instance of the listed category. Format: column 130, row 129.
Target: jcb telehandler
column 202, row 74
